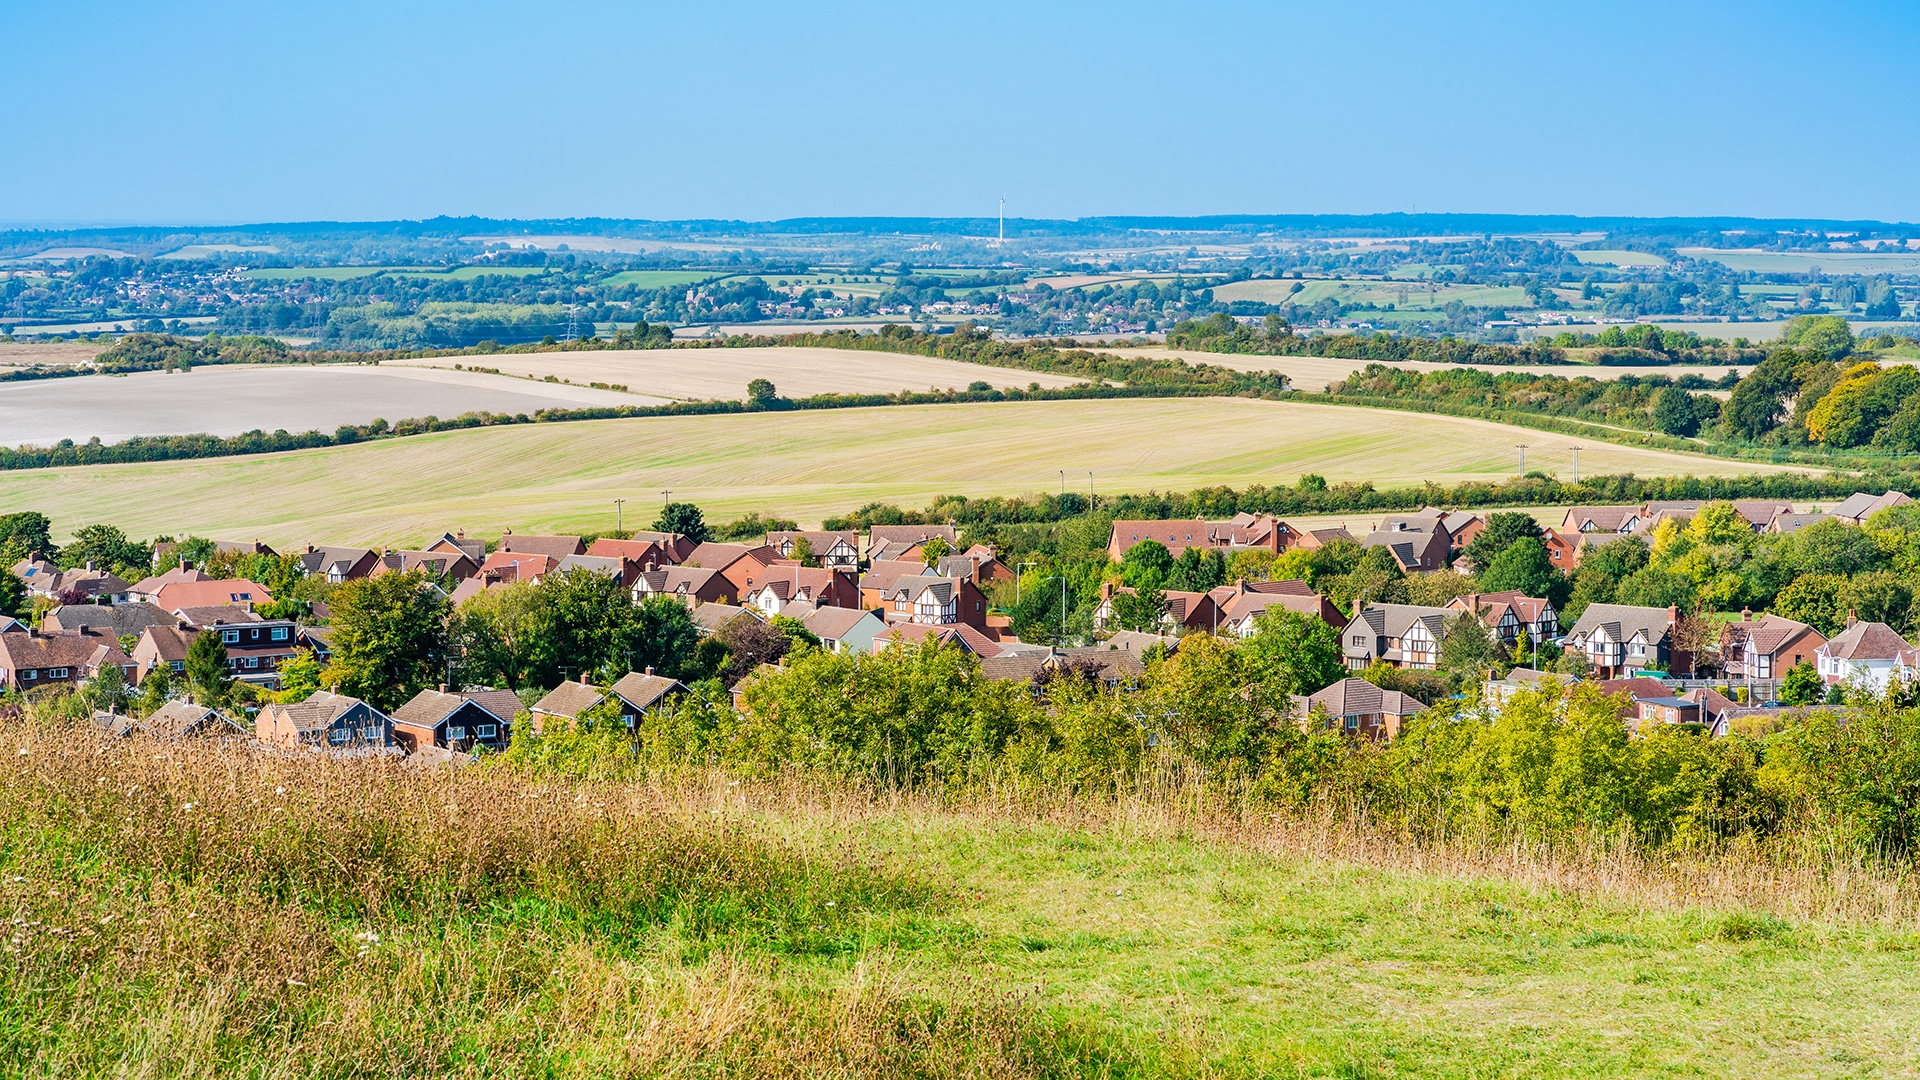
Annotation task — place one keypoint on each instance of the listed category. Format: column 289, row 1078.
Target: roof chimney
column 1240, row 586
column 583, row 679
column 1851, row 617
column 90, row 565
column 443, row 688
column 1673, row 613
column 649, row 670
column 1746, row 614
column 309, row 549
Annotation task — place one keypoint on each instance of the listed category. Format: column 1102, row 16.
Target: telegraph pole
column 619, row 507
column 1576, row 464
column 1522, row 447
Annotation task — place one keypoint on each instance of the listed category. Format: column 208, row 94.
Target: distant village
column 914, row 586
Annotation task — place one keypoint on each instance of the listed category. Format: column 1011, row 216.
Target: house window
column 1353, row 723
column 339, row 735
column 29, row 675
column 372, row 734
column 485, row 731
column 57, row 673
column 253, row 661
column 456, row 733
column 231, row 637
column 178, row 666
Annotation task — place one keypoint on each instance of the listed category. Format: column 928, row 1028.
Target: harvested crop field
column 707, row 374
column 297, row 397
column 73, row 352
column 803, row 465
column 1314, row 373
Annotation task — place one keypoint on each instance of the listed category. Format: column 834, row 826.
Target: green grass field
column 193, row 910
column 1798, row 262
column 468, row 273
column 803, row 465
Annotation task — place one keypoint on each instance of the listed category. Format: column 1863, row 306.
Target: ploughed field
column 803, row 465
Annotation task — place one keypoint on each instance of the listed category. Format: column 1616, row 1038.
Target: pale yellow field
column 1314, row 373
column 70, row 352
column 803, row 465
column 709, row 374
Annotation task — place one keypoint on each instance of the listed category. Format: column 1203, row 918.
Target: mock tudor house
column 1403, row 635
column 1508, row 613
column 1241, row 604
column 690, row 585
column 1767, row 647
column 783, row 583
column 739, row 563
column 325, row 721
column 1418, row 542
column 908, row 541
column 1620, row 639
column 832, row 550
column 1358, row 708
column 338, row 564
column 461, row 721
column 931, row 600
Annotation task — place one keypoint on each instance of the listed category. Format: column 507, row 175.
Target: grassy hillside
column 203, row 912
column 804, row 465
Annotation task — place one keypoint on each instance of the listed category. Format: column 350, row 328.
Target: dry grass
column 63, row 353
column 803, row 465
column 979, row 935
column 1315, row 373
column 723, row 374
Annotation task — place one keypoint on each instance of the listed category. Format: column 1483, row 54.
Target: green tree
column 207, row 674
column 107, row 547
column 1293, row 653
column 761, row 394
column 1139, row 609
column 155, row 689
column 1829, row 334
column 1524, row 567
column 389, row 638
column 1881, row 596
column 13, row 596
column 25, row 532
column 1674, row 413
column 107, row 689
column 1198, row 570
column 1468, row 651
column 498, row 636
column 1653, row 587
column 934, row 550
column 1819, row 600
column 685, row 519
column 299, row 677
column 1802, row 686
column 1146, row 563
column 1759, row 400
column 1503, row 528
column 802, row 552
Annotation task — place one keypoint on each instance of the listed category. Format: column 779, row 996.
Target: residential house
column 1240, row 605
column 739, row 563
column 1716, row 709
column 565, row 703
column 503, row 568
column 1788, row 524
column 1016, row 667
column 1565, row 548
column 739, row 689
column 243, row 547
column 1501, row 691
column 783, row 583
column 957, row 635
column 1403, row 635
column 832, row 550
column 691, row 585
column 840, row 629
column 1619, row 639
column 1618, row 520
column 616, row 567
column 1108, row 663
column 1176, row 536
column 1418, row 543
column 977, row 562
column 907, row 541
column 325, row 721
column 120, row 620
column 1315, row 539
column 642, row 692
column 210, row 593
column 454, row 565
column 1508, row 613
column 1358, row 708
column 880, row 577
column 553, row 547
column 1666, row 709
column 474, row 548
column 712, row 618
column 182, row 719
column 1756, row 512
column 89, row 583
column 1856, row 508
column 1865, row 654
column 256, row 647
column 1180, row 610
column 338, row 564
column 461, row 722
column 163, row 646
column 31, row 660
column 1462, row 527
column 147, row 590
column 38, row 573
column 637, row 552
column 1767, row 647
column 931, row 600
column 674, row 547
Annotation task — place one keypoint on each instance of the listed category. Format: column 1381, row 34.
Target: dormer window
column 231, row 637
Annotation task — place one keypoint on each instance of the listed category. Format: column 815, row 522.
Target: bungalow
column 1620, row 638
column 1767, row 647
column 181, row 719
column 776, row 586
column 1359, row 708
column 690, row 585
column 31, row 660
column 1403, row 635
column 832, row 550
column 1865, row 654
column 460, row 721
column 324, row 721
column 148, row 588
column 1315, row 539
column 1508, row 613
column 635, row 695
column 1856, row 508
column 553, row 547
column 43, row 578
column 1788, row 524
column 338, row 564
column 565, row 703
column 1501, row 691
column 907, row 541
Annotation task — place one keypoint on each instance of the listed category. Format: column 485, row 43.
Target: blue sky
column 210, row 113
